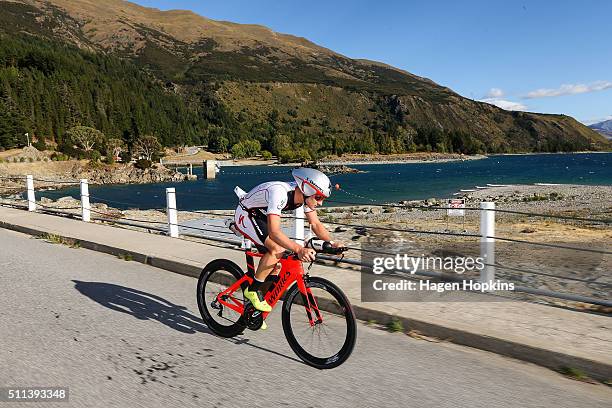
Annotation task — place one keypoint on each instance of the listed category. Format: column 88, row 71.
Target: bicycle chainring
column 253, row 317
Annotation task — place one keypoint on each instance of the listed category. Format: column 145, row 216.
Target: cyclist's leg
column 256, row 231
column 246, row 226
column 268, row 262
column 273, row 252
column 267, row 273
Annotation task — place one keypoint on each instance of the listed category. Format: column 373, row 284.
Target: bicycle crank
column 253, row 317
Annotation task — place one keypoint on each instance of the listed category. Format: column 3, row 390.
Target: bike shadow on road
column 142, row 305
column 147, row 306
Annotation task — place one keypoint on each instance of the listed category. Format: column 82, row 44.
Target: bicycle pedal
column 253, row 317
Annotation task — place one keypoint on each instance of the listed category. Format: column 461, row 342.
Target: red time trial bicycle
column 317, row 317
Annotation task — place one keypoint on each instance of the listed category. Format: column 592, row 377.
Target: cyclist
column 257, row 217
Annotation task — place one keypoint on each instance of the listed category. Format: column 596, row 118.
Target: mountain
column 605, row 128
column 234, row 82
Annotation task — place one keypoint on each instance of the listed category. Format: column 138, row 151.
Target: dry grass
column 112, row 24
column 10, row 153
column 192, row 158
column 43, row 169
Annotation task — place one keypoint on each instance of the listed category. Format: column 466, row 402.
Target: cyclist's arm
column 317, row 227
column 277, row 235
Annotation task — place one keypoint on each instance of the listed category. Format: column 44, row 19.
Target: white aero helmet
column 311, row 182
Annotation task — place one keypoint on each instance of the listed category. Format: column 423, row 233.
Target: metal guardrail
column 171, row 227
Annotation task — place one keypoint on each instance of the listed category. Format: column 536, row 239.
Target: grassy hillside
column 357, row 121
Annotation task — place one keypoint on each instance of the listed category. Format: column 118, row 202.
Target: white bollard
column 487, row 244
column 31, row 195
column 173, row 229
column 298, row 225
column 85, row 207
column 246, row 244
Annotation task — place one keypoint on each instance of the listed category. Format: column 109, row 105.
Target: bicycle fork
column 310, row 303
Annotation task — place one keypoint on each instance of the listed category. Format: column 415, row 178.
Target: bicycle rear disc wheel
column 328, row 343
column 216, row 277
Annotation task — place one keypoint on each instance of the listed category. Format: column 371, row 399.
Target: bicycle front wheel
column 330, row 340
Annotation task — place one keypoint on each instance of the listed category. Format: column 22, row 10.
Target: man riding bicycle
column 258, row 214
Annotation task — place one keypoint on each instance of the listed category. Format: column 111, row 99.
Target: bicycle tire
column 348, row 345
column 205, row 278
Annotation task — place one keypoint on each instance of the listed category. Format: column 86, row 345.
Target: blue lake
column 381, row 182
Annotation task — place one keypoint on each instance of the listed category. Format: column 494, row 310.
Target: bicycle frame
column 291, row 271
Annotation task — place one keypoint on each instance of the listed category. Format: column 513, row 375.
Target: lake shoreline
column 399, row 161
column 53, row 175
column 400, row 158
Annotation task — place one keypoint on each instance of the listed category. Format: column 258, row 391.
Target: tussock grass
column 57, row 239
column 395, row 325
column 126, row 257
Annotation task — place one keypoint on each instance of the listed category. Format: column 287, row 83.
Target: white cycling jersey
column 272, row 197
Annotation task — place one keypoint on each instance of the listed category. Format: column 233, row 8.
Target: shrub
column 22, row 159
column 292, row 156
column 535, row 197
column 94, row 156
column 218, row 144
column 556, row 196
column 246, row 148
column 59, row 157
column 40, row 144
column 238, row 151
column 266, row 155
column 143, row 164
column 31, row 159
column 126, row 157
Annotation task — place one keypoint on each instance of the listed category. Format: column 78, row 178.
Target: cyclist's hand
column 306, row 254
column 337, row 244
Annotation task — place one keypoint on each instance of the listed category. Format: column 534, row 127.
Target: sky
column 537, row 56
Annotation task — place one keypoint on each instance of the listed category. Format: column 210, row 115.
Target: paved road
column 120, row 334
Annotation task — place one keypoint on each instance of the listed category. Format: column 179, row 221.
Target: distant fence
column 219, row 233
